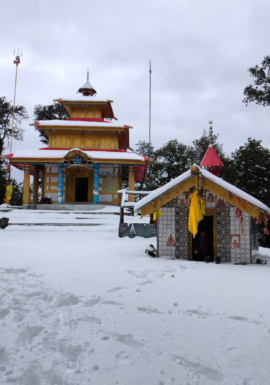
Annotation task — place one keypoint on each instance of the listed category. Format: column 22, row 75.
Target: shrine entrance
column 81, row 191
column 207, row 246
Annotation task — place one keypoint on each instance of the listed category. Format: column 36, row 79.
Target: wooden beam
column 222, row 193
column 168, row 196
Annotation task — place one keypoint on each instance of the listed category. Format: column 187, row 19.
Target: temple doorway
column 81, row 191
column 203, row 243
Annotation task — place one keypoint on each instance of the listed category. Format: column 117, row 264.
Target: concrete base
column 64, row 207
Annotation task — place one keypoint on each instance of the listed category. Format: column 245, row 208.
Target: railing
column 146, row 230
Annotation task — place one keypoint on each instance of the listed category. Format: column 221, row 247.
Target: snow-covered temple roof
column 61, row 154
column 212, row 178
column 81, row 98
column 78, row 123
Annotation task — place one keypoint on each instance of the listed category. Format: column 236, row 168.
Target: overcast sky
column 200, row 52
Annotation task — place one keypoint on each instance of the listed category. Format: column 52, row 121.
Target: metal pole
column 149, row 163
column 16, row 62
column 13, row 109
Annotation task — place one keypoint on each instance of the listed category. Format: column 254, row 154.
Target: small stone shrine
column 229, row 222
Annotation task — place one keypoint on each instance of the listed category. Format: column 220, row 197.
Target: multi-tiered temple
column 88, row 155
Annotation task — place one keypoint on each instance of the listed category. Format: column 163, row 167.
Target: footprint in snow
column 92, row 301
column 199, row 369
column 148, row 310
column 67, row 300
column 28, row 334
column 128, row 340
column 146, row 282
column 115, row 289
column 112, row 303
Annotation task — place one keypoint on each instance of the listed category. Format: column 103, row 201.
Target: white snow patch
column 80, row 304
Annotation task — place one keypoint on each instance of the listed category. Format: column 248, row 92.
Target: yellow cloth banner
column 157, row 213
column 196, row 212
column 9, row 191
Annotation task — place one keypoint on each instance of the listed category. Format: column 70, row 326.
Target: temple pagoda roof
column 85, row 99
column 106, row 124
column 102, row 156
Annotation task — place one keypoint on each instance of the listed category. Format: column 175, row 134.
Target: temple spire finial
column 87, row 89
column 211, row 133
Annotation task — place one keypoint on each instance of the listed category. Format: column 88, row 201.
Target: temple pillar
column 41, row 175
column 96, row 185
column 60, row 184
column 131, row 182
column 35, row 188
column 26, row 184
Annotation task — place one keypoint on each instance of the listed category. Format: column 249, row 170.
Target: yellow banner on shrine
column 9, row 191
column 157, row 213
column 196, row 212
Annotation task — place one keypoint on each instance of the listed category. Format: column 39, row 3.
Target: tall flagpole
column 149, row 163
column 16, row 62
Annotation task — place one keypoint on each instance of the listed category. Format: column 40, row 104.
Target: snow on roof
column 60, row 154
column 87, row 85
column 234, row 190
column 81, row 98
column 220, row 182
column 161, row 190
column 75, row 123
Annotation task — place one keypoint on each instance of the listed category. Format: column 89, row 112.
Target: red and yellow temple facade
column 88, row 154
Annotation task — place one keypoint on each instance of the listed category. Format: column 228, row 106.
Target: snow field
column 78, row 305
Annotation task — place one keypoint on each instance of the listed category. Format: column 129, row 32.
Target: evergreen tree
column 201, row 145
column 252, row 162
column 17, row 195
column 6, row 112
column 51, row 112
column 171, row 160
column 260, row 93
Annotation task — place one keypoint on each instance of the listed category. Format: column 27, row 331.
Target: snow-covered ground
column 80, row 306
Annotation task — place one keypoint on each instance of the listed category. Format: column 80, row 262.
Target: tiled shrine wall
column 236, row 239
column 223, row 233
column 254, row 240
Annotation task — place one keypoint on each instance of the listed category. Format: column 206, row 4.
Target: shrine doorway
column 81, row 191
column 208, row 226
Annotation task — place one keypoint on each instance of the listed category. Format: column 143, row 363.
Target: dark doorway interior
column 81, row 193
column 202, row 245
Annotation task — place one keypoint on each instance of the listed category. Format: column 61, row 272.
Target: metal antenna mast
column 149, row 163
